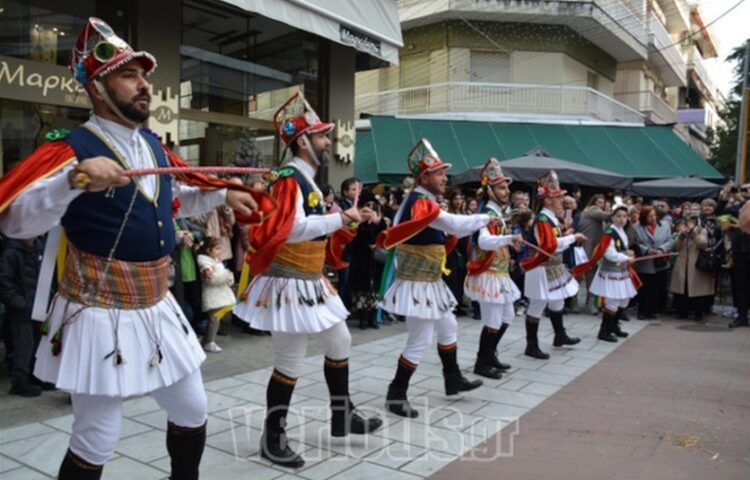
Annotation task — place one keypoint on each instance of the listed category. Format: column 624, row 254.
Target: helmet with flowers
column 492, row 173
column 423, row 158
column 296, row 117
column 99, row 51
column 548, row 185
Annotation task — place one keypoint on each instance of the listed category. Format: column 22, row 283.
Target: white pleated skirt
column 425, row 300
column 489, row 287
column 537, row 286
column 278, row 304
column 613, row 285
column 84, row 364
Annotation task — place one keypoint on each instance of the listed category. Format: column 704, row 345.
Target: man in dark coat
column 19, row 269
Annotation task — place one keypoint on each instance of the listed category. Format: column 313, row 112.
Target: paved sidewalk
column 673, row 402
column 403, row 449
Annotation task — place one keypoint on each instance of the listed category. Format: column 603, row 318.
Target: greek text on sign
column 358, row 40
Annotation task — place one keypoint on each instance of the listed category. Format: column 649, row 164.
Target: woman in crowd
column 364, row 271
column 653, row 237
column 456, row 260
column 690, row 285
column 217, row 288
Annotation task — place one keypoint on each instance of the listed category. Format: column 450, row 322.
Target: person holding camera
column 690, row 285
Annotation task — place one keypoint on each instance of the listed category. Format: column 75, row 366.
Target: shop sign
column 39, row 82
column 359, row 41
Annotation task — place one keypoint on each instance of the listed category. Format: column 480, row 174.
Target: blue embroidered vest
column 92, row 220
column 429, row 235
column 306, row 188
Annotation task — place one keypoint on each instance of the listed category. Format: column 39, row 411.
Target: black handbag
column 709, row 260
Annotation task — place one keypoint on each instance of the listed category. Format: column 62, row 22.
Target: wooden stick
column 534, row 247
column 652, row 257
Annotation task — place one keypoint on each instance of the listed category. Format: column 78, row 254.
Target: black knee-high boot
column 454, row 381
column 396, row 401
column 495, row 341
column 616, row 324
column 74, row 467
column 486, row 354
column 532, row 341
column 344, row 417
column 185, row 447
column 605, row 330
column 274, row 444
column 561, row 337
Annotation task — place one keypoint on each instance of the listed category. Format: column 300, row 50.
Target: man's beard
column 323, row 156
column 129, row 109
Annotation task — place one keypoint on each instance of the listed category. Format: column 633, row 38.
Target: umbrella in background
column 537, row 162
column 676, row 187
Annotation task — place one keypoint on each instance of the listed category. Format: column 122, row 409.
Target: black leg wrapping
column 185, row 447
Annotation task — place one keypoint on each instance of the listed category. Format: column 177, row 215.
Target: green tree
column 723, row 140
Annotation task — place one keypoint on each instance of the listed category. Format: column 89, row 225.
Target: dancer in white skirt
column 289, row 295
column 418, row 292
column 548, row 282
column 614, row 281
column 488, row 281
column 113, row 330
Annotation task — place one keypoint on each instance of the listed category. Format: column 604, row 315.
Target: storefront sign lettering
column 39, row 82
column 360, row 41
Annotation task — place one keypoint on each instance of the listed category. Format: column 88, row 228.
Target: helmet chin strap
column 310, row 149
column 115, row 109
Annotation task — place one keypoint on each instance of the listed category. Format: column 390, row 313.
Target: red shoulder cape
column 50, row 157
column 546, row 240
column 601, row 248
column 423, row 212
column 475, row 267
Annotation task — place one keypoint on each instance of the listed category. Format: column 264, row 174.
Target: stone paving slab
column 672, row 402
column 404, row 449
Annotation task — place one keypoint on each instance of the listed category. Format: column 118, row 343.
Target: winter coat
column 217, row 283
column 364, row 271
column 699, row 283
column 19, row 270
column 592, row 224
column 660, row 240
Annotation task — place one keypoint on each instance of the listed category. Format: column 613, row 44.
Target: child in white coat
column 217, row 294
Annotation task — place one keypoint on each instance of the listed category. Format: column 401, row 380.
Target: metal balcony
column 665, row 55
column 697, row 67
column 609, row 24
column 656, row 110
column 498, row 98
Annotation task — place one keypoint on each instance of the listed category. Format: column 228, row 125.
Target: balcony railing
column 617, row 14
column 650, row 104
column 663, row 45
column 468, row 97
column 696, row 63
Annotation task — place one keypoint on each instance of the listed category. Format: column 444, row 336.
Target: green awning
column 642, row 153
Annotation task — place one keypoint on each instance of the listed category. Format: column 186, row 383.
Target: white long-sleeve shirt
column 489, row 242
column 42, row 206
column 562, row 242
column 611, row 253
column 308, row 227
column 459, row 225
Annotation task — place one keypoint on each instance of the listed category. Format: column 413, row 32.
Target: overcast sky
column 731, row 31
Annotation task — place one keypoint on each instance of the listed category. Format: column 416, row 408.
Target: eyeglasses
column 104, row 51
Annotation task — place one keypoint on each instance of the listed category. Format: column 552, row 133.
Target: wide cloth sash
column 97, row 282
column 304, row 260
column 420, row 263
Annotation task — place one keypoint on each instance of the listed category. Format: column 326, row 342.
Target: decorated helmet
column 617, row 207
column 548, row 185
column 99, row 51
column 296, row 117
column 424, row 159
column 492, row 173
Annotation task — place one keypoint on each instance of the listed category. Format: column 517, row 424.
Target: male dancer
column 419, row 292
column 290, row 296
column 113, row 330
column 488, row 281
column 548, row 282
